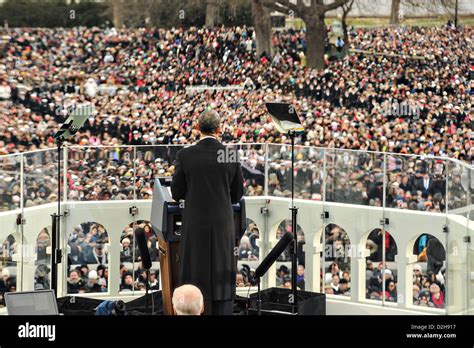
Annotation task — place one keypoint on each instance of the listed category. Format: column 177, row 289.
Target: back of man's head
column 209, row 122
column 188, row 300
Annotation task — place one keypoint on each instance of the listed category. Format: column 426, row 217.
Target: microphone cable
column 248, row 296
column 152, row 300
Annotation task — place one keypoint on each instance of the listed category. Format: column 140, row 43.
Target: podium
column 166, row 220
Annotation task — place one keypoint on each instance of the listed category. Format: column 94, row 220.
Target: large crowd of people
column 402, row 90
column 138, row 82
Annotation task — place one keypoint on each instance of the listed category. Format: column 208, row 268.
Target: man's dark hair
column 209, row 121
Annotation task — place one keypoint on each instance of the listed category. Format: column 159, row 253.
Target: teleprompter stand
column 70, row 127
column 286, row 120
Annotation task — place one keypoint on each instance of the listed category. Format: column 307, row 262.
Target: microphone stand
column 287, row 121
column 71, row 125
column 147, row 286
column 294, row 212
column 56, row 254
column 293, row 300
column 259, row 299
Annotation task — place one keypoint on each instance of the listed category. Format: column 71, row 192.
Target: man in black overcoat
column 208, row 177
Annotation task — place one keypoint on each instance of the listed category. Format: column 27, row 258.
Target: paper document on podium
column 285, row 117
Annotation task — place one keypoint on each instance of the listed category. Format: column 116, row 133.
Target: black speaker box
column 277, row 301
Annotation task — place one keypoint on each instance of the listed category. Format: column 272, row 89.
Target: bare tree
column 134, row 13
column 447, row 7
column 116, row 7
column 212, row 13
column 263, row 28
column 313, row 16
column 395, row 12
column 346, row 8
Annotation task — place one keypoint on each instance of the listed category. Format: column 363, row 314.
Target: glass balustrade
column 380, row 228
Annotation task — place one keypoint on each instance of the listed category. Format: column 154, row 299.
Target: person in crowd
column 240, row 280
column 436, row 296
column 123, row 270
column 369, row 273
column 417, row 272
column 435, row 254
column 7, row 282
column 139, row 286
column 300, row 280
column 103, row 274
column 126, row 255
column 127, row 282
column 282, row 272
column 343, row 288
column 246, row 250
column 339, row 43
column 390, row 290
column 335, row 283
column 84, row 269
column 74, row 282
column 424, row 299
column 328, row 290
column 154, row 282
column 347, row 276
column 96, row 255
column 92, row 284
column 287, row 282
column 141, row 276
column 416, row 292
column 42, row 277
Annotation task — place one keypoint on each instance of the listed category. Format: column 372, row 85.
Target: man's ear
column 202, row 308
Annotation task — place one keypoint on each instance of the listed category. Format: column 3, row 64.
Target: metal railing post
column 265, row 190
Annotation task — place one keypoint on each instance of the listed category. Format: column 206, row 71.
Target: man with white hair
column 188, row 300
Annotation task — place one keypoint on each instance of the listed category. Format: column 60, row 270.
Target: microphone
column 282, row 244
column 143, row 247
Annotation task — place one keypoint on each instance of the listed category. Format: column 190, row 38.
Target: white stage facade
column 22, row 221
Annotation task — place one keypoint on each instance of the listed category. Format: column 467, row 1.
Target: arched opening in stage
column 337, row 261
column 88, row 259
column 43, row 260
column 248, row 254
column 132, row 275
column 429, row 285
column 375, row 272
column 283, row 263
column 8, row 266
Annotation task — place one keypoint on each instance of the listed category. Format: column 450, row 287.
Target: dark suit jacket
column 420, row 185
column 208, row 238
column 284, row 179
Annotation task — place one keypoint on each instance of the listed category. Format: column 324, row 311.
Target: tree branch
column 334, row 5
column 283, row 6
